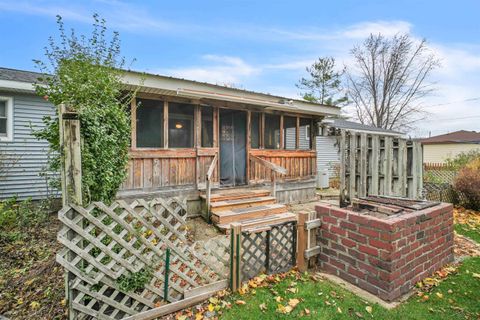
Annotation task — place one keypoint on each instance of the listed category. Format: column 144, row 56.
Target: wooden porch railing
column 208, row 187
column 275, row 169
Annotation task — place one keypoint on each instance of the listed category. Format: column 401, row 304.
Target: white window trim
column 9, row 113
column 307, row 136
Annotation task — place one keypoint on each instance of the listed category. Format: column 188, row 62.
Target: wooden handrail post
column 302, row 241
column 235, row 259
column 208, row 186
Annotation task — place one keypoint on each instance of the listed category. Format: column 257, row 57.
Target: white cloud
column 218, row 70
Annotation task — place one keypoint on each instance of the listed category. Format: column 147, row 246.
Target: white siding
column 327, row 153
column 438, row 153
column 23, row 179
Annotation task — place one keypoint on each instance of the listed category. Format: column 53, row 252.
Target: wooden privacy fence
column 373, row 164
column 116, row 256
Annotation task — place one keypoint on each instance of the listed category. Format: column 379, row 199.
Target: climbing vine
column 85, row 73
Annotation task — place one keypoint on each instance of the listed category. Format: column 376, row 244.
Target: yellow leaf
column 213, row 300
column 339, row 310
column 183, row 317
column 369, row 309
column 20, row 301
column 439, row 295
column 476, row 275
column 288, row 309
column 63, row 302
column 278, row 299
column 263, row 307
column 211, row 307
column 293, row 290
column 198, row 316
column 34, row 305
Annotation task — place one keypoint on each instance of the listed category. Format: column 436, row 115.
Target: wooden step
column 238, row 214
column 236, row 195
column 263, row 223
column 219, row 206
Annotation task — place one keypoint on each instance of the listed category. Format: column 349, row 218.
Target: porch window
column 305, row 127
column 149, row 123
column 207, row 126
column 255, row 130
column 180, row 125
column 272, row 131
column 290, row 132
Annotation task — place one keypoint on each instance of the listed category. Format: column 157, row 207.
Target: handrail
column 272, row 166
column 208, row 187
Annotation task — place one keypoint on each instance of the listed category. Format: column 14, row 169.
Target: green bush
column 85, row 74
column 16, row 214
column 462, row 159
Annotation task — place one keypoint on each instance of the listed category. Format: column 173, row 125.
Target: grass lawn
column 467, row 231
column 457, row 297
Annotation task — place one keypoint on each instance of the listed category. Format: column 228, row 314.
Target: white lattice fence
column 107, row 248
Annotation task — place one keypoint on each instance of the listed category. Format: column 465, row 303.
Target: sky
column 266, row 45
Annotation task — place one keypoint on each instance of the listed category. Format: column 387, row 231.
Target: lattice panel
column 253, row 254
column 282, row 247
column 104, row 244
column 269, row 251
column 440, row 176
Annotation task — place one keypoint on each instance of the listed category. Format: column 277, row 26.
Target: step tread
column 239, row 211
column 240, row 201
column 239, row 194
column 273, row 219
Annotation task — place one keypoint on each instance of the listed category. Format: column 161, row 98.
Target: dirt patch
column 198, row 229
column 31, row 282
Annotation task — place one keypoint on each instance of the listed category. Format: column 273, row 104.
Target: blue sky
column 265, row 46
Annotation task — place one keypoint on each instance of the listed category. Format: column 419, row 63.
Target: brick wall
column 386, row 257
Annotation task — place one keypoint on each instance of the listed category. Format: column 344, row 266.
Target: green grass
column 465, row 230
column 462, row 303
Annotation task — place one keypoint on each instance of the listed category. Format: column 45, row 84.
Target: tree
column 324, row 83
column 85, row 73
column 387, row 83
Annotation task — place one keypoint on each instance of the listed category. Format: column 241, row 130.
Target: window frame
column 8, row 137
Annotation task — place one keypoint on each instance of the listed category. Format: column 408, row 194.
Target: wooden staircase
column 252, row 208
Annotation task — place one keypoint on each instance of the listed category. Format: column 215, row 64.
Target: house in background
column 328, row 156
column 182, row 131
column 437, row 149
column 23, row 157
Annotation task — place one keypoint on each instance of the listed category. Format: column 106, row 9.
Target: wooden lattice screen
column 372, row 164
column 105, row 246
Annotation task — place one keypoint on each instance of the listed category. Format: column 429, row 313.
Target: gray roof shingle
column 19, row 75
column 345, row 124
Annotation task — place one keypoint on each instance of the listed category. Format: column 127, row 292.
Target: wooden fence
column 379, row 165
column 117, row 255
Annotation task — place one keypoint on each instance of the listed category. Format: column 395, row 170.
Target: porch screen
column 207, row 126
column 305, row 125
column 180, row 125
column 290, row 132
column 272, row 131
column 149, row 123
column 255, row 130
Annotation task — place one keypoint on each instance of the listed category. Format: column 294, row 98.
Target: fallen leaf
column 199, row 316
column 211, row 307
column 439, row 295
column 240, row 302
column 263, row 307
column 278, row 299
column 34, row 305
column 358, row 314
column 339, row 310
column 293, row 302
column 476, row 275
column 369, row 309
column 307, row 311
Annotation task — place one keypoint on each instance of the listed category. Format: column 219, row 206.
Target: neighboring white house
column 439, row 148
column 327, row 147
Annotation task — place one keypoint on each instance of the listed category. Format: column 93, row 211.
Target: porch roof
column 164, row 85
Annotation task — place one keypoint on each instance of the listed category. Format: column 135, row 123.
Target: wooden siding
column 299, row 164
column 23, row 179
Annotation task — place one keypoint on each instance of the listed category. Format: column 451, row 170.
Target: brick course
column 386, row 257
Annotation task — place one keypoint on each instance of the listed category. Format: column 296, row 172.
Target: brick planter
column 385, row 256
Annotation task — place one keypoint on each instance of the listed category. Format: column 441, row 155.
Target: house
column 328, row 156
column 439, row 148
column 182, row 130
column 23, row 158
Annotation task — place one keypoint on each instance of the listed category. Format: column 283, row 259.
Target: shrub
column 462, row 159
column 467, row 182
column 85, row 73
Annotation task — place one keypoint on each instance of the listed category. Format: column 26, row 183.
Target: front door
column 233, row 163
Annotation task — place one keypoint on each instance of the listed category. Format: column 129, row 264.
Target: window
column 255, row 130
column 305, row 125
column 207, row 126
column 290, row 132
column 272, row 131
column 149, row 123
column 6, row 119
column 180, row 125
